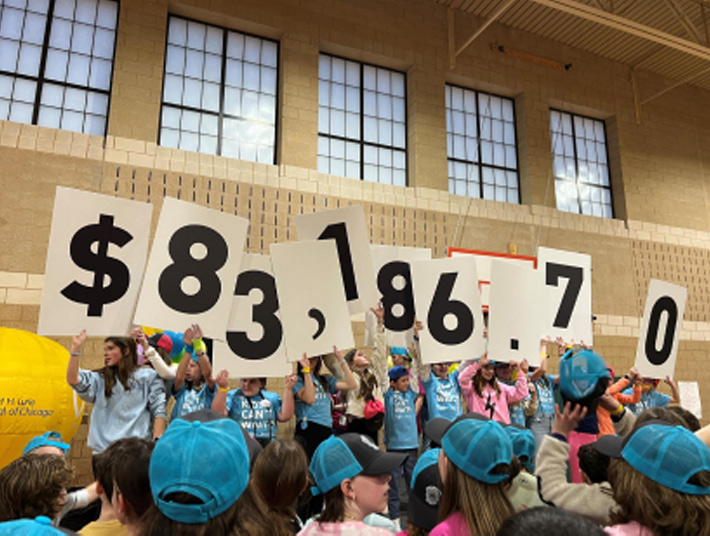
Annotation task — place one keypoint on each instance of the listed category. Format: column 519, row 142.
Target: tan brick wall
column 659, row 166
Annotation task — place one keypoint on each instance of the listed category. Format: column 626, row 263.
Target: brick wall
column 659, row 166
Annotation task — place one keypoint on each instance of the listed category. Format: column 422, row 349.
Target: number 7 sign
column 567, row 294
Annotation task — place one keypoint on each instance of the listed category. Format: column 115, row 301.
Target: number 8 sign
column 192, row 268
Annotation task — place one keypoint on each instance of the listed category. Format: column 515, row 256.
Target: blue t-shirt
column 545, row 395
column 258, row 414
column 188, row 400
column 319, row 411
column 651, row 399
column 401, row 420
column 443, row 396
column 517, row 409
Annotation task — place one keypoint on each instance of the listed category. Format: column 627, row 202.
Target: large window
column 56, row 62
column 581, row 164
column 219, row 92
column 481, row 145
column 362, row 113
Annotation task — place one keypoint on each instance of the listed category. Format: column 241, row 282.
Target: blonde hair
column 664, row 511
column 484, row 506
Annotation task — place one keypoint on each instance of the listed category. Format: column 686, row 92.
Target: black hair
column 548, row 521
column 594, row 464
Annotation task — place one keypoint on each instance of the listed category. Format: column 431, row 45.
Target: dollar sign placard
column 95, row 261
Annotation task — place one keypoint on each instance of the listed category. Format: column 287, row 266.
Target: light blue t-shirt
column 443, row 396
column 319, row 411
column 517, row 409
column 126, row 413
column 545, row 395
column 651, row 399
column 188, row 400
column 401, row 420
column 258, row 414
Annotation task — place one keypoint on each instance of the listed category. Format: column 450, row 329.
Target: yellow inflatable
column 34, row 394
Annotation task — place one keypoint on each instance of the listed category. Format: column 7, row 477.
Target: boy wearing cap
column 401, row 435
column 650, row 398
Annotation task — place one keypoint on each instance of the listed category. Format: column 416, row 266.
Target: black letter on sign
column 575, row 274
column 263, row 314
column 184, row 265
column 441, row 306
column 391, row 296
column 339, row 233
column 665, row 303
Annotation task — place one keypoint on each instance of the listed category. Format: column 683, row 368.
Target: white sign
column 192, row 269
column 660, row 329
column 95, row 261
column 347, row 227
column 314, row 311
column 567, row 294
column 254, row 344
column 690, row 398
column 513, row 317
column 448, row 304
column 394, row 284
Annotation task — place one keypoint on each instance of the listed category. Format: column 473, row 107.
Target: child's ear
column 100, row 489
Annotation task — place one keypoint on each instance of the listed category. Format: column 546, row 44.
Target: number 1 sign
column 657, row 348
column 567, row 294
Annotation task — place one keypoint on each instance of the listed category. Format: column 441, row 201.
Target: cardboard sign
column 254, row 342
column 394, row 284
column 657, row 348
column 513, row 317
column 314, row 311
column 95, row 262
column 448, row 305
column 192, row 269
column 567, row 294
column 690, row 398
column 346, row 226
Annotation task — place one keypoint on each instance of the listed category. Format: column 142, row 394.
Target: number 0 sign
column 449, row 306
column 567, row 294
column 660, row 329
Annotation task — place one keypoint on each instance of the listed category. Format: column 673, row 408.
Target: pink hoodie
column 482, row 404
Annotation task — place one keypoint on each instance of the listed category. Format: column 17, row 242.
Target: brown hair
column 316, row 373
column 368, row 382
column 483, row 506
column 334, row 509
column 664, row 511
column 279, row 476
column 129, row 462
column 32, row 485
column 155, row 523
column 479, row 383
column 125, row 368
column 413, row 530
column 674, row 415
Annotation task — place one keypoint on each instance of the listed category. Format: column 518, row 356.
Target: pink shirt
column 632, row 528
column 508, row 395
column 454, row 525
column 347, row 528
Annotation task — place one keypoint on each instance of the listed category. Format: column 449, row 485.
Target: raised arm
column 350, row 382
column 423, row 371
column 542, row 369
column 287, row 402
column 73, row 366
column 379, row 352
column 182, row 367
column 521, row 384
column 219, row 402
column 307, row 394
column 675, row 395
column 469, row 372
column 199, row 346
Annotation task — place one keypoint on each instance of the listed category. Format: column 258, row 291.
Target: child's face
column 398, row 360
column 503, row 372
column 487, row 372
column 440, row 370
column 647, row 385
column 193, row 371
column 401, row 384
column 360, row 360
column 251, row 386
column 112, row 354
column 371, row 493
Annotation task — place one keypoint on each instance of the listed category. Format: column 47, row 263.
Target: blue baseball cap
column 395, row 373
column 208, row 460
column 477, row 448
column 39, row 526
column 346, row 456
column 48, row 439
column 669, row 455
column 580, row 372
column 426, row 491
column 523, row 445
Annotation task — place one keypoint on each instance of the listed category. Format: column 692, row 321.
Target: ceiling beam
column 685, row 21
column 627, row 26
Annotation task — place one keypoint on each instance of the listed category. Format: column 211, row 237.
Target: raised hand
column 78, row 342
column 291, row 380
column 569, row 419
column 379, row 313
column 222, row 379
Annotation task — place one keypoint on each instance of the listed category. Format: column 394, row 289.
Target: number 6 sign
column 567, row 294
column 660, row 329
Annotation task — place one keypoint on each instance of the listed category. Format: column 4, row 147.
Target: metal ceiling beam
column 685, row 21
column 485, row 24
column 625, row 25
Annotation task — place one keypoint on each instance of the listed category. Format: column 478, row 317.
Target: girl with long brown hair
column 126, row 397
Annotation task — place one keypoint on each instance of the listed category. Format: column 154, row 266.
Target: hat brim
column 383, row 464
column 421, row 514
column 610, row 445
column 436, row 428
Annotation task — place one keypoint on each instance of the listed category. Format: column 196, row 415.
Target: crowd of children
column 636, row 464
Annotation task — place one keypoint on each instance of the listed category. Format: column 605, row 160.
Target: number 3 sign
column 567, row 294
column 192, row 268
column 660, row 329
